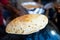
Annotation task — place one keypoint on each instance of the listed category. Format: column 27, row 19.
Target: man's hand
column 57, row 6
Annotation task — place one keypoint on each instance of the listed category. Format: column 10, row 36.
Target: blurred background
column 10, row 9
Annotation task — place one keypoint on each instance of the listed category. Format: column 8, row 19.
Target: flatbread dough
column 27, row 24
